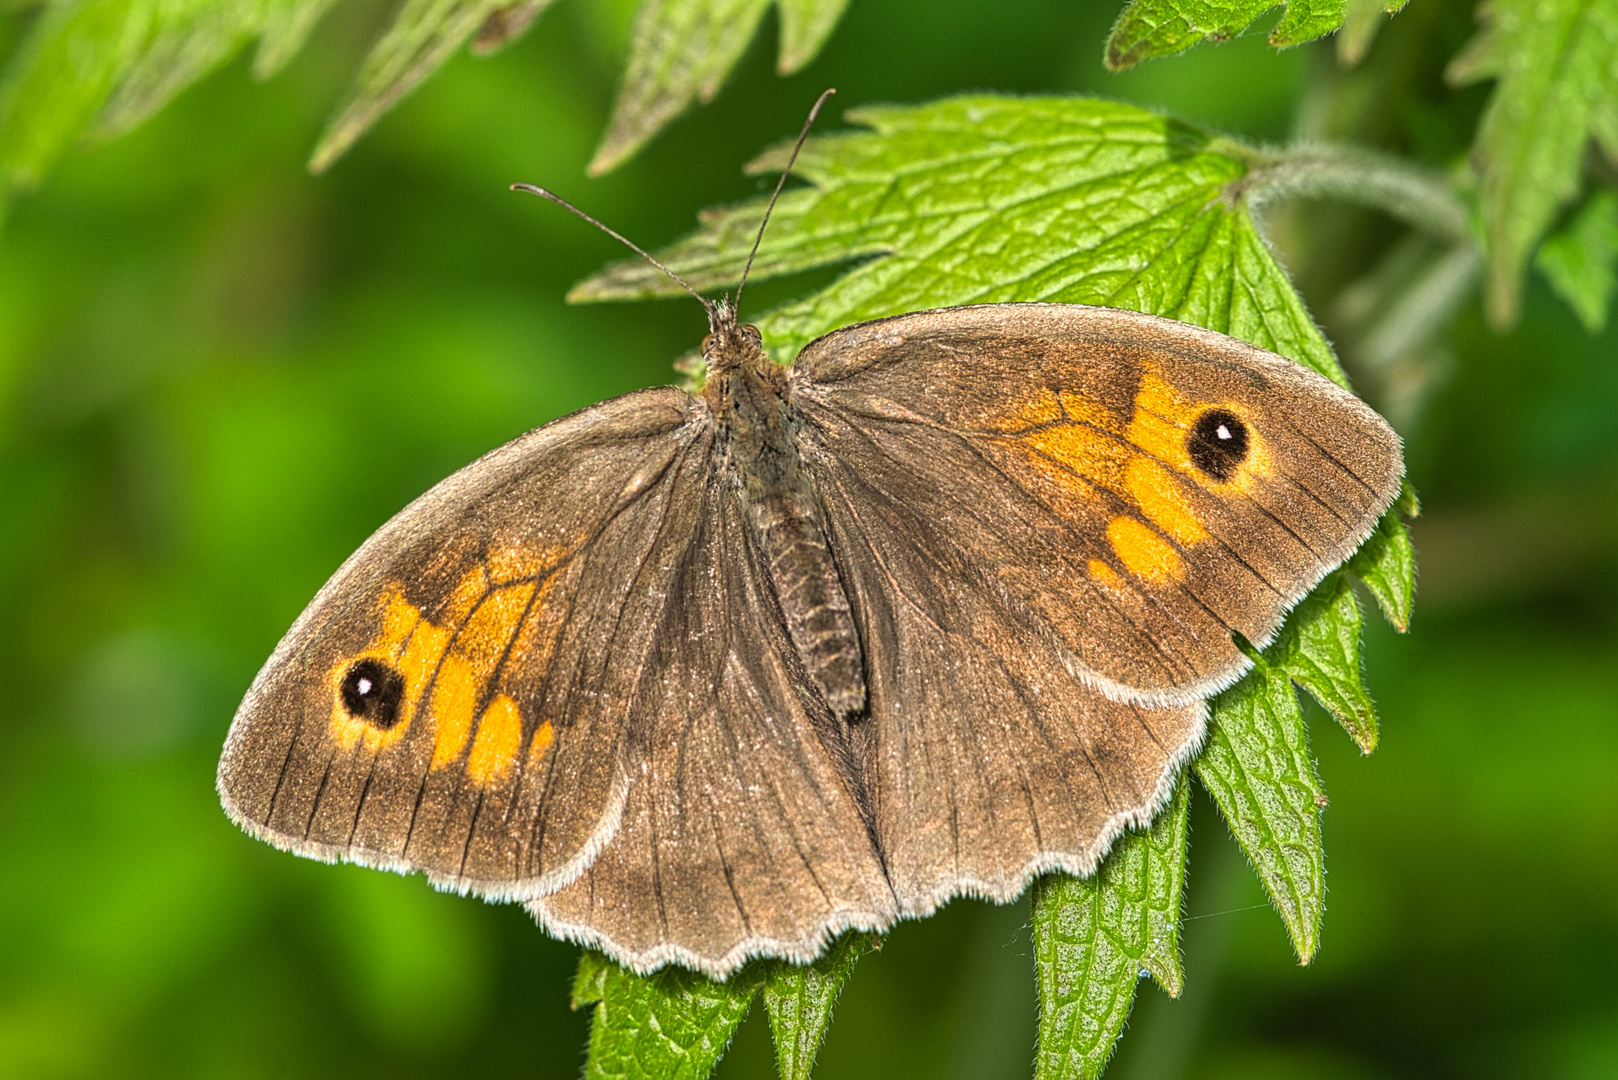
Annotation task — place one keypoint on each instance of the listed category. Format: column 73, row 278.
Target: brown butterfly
column 701, row 677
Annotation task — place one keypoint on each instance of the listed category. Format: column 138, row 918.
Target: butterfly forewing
column 454, row 700
column 1139, row 490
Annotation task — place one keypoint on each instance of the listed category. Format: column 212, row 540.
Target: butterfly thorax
column 757, row 428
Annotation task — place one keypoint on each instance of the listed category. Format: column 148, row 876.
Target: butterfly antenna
column 707, row 304
column 779, row 184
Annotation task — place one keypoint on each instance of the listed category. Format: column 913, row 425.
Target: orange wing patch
column 1162, row 421
column 446, row 669
column 409, row 644
column 1144, row 553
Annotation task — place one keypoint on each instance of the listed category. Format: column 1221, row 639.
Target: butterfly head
column 730, row 344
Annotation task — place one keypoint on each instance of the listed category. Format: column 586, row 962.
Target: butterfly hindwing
column 454, row 699
column 745, row 831
column 987, row 759
column 1139, row 489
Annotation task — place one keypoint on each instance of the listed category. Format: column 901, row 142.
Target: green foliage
column 107, row 65
column 800, row 1001
column 1556, row 66
column 1095, row 937
column 683, row 49
column 1578, row 260
column 675, row 1024
column 1319, row 648
column 1153, row 28
column 1258, row 768
column 423, row 34
column 981, row 199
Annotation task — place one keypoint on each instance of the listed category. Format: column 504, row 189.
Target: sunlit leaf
column 1258, row 768
column 1095, row 937
column 1556, row 66
column 800, row 1000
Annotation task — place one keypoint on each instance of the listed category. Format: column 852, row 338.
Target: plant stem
column 1418, row 196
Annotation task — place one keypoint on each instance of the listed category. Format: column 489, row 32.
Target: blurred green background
column 218, row 375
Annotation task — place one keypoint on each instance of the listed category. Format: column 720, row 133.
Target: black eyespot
column 372, row 691
column 1217, row 443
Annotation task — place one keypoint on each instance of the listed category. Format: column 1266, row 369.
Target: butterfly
column 704, row 676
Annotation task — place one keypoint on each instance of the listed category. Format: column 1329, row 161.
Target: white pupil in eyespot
column 1222, row 431
column 363, row 686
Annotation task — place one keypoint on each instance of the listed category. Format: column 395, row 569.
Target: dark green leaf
column 1578, row 260
column 1095, row 937
column 1556, row 62
column 672, row 1025
column 1258, row 768
column 800, row 1001
column 1387, row 566
column 1320, row 649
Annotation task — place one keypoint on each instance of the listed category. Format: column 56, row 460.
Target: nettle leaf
column 979, row 199
column 1258, row 768
column 1556, row 62
column 1578, row 260
column 800, row 1001
column 1153, row 28
column 1094, row 938
column 673, row 1025
column 1386, row 565
column 684, row 49
column 1320, row 650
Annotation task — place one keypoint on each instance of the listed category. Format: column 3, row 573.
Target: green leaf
column 590, row 980
column 684, row 49
column 805, row 26
column 680, row 49
column 1362, row 21
column 1095, row 937
column 1258, row 768
column 1153, row 28
column 1578, row 260
column 1556, row 62
column 107, row 65
column 800, row 1000
column 672, row 1025
column 977, row 199
column 421, row 37
column 1386, row 564
column 1320, row 649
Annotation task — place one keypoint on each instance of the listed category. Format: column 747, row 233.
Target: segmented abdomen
column 812, row 599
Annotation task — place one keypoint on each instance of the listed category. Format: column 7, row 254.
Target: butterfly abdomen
column 812, row 599
column 759, row 439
